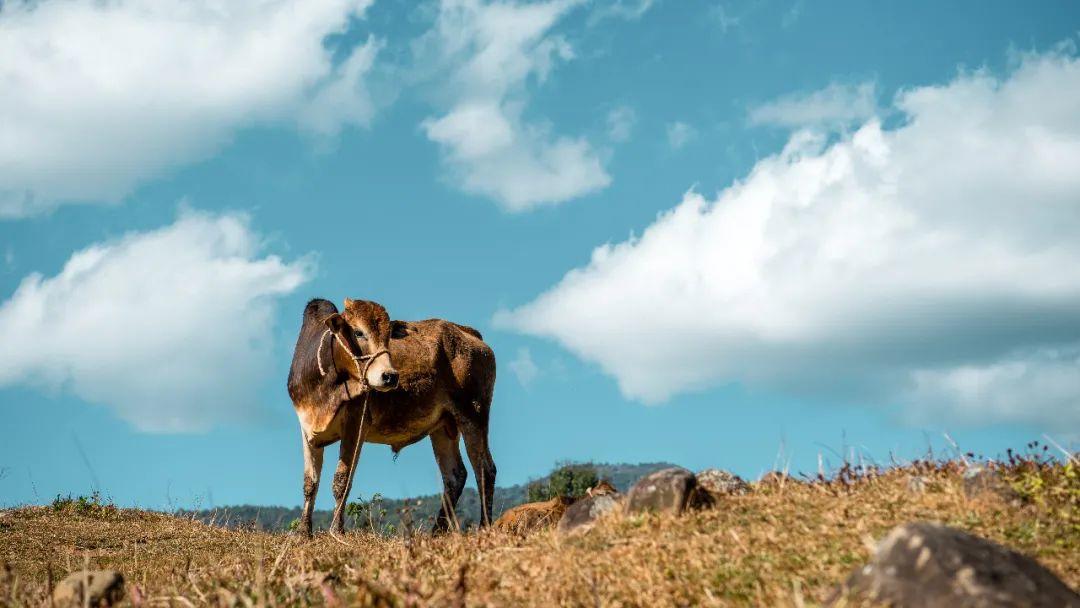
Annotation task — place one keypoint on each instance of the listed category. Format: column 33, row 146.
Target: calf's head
column 363, row 342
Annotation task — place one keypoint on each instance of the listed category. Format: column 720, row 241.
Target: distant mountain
column 420, row 510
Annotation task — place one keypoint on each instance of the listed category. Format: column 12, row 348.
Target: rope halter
column 362, row 362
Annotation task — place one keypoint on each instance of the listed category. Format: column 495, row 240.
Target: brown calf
column 360, row 378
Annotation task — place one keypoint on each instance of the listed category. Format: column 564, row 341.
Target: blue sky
column 714, row 233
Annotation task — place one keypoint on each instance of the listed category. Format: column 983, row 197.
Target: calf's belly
column 392, row 422
column 401, row 426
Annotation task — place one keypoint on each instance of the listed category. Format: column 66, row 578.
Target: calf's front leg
column 348, row 456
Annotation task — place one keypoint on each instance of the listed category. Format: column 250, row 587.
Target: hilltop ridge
column 421, row 508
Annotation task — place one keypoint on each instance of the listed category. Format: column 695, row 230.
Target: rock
column 934, row 566
column 581, row 516
column 533, row 516
column 984, row 481
column 105, row 588
column 718, row 482
column 666, row 491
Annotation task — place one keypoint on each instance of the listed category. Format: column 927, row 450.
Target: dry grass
column 786, row 544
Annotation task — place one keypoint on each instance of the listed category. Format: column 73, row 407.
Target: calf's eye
column 359, row 334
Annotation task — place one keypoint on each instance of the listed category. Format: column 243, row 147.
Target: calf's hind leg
column 444, row 442
column 474, row 428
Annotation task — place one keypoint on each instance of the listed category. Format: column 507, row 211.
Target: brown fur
column 602, row 488
column 446, row 377
column 545, row 514
column 533, row 516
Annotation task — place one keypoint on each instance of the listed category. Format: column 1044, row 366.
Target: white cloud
column 102, row 96
column 524, row 367
column 933, row 266
column 679, row 134
column 342, row 99
column 620, row 123
column 837, row 105
column 1046, row 378
column 171, row 329
column 631, row 10
column 491, row 53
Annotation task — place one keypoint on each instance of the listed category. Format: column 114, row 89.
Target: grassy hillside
column 386, row 513
column 786, row 543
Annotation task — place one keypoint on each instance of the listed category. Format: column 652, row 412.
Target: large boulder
column 581, row 516
column 533, row 516
column 934, row 566
column 718, row 483
column 666, row 491
column 98, row 587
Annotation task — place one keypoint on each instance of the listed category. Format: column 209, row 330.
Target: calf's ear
column 398, row 329
column 335, row 322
